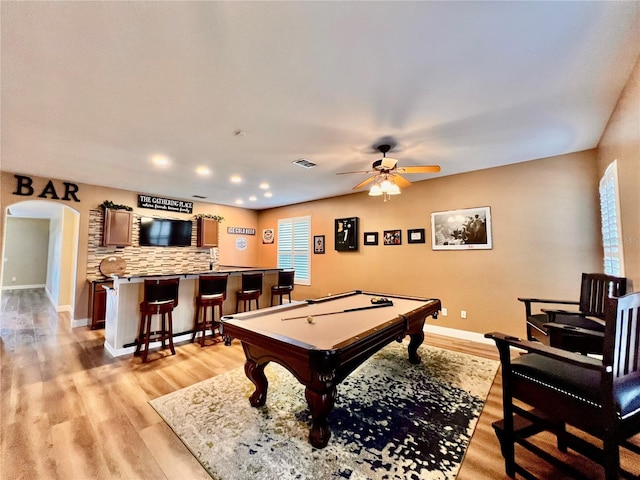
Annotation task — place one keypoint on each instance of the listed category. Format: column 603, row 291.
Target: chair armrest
column 546, row 300
column 503, row 342
column 528, row 301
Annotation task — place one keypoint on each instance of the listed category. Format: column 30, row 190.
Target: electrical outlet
column 444, row 312
column 463, row 314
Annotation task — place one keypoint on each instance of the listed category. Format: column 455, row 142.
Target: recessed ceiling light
column 239, row 201
column 204, row 171
column 236, row 179
column 160, row 160
column 264, row 186
column 252, row 198
column 268, row 194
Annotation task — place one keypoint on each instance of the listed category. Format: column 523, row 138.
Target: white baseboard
column 79, row 322
column 461, row 334
column 21, row 287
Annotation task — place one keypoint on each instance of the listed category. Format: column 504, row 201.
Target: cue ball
column 310, row 319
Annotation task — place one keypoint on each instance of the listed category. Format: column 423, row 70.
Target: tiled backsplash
column 144, row 260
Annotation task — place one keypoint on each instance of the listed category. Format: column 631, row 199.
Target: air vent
column 304, row 163
column 198, row 196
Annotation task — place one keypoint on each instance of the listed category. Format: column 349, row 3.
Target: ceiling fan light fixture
column 394, row 190
column 386, row 185
column 375, row 190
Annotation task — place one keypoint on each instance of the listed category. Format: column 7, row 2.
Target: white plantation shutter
column 611, row 228
column 294, row 247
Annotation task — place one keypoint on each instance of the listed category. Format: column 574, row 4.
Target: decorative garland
column 108, row 204
column 217, row 218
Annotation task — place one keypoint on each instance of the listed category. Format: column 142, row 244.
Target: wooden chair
column 160, row 298
column 251, row 290
column 284, row 286
column 582, row 330
column 212, row 292
column 599, row 397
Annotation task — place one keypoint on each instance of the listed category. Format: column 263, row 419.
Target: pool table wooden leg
column 255, row 373
column 320, row 405
column 414, row 343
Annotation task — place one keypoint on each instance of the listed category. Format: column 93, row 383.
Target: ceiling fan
column 387, row 169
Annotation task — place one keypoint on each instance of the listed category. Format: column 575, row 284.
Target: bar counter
column 124, row 297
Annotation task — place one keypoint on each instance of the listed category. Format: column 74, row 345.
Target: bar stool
column 284, row 286
column 251, row 290
column 160, row 298
column 212, row 292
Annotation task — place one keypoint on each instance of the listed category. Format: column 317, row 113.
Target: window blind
column 294, row 247
column 610, row 217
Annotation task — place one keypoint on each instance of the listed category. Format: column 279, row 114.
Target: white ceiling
column 91, row 90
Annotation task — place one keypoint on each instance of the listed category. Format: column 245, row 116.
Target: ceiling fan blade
column 363, row 183
column 401, row 181
column 420, row 169
column 357, row 171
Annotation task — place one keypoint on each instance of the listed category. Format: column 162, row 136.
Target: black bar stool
column 160, row 298
column 212, row 292
column 284, row 286
column 251, row 290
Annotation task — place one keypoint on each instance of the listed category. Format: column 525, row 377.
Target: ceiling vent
column 304, row 163
column 199, row 196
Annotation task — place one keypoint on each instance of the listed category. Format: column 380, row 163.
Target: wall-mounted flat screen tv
column 164, row 232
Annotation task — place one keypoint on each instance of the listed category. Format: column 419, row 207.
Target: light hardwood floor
column 70, row 411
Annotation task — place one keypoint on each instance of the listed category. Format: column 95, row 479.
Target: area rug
column 391, row 420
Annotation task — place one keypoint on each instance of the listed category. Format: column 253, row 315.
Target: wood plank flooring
column 70, row 411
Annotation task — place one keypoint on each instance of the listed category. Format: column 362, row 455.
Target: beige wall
column 26, row 252
column 621, row 141
column 91, row 196
column 546, row 231
column 68, row 256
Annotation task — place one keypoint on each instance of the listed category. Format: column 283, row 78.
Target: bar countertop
column 229, row 269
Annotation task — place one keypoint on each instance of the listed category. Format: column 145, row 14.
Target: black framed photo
column 415, row 235
column 463, row 229
column 318, row 244
column 370, row 238
column 392, row 237
column 346, row 234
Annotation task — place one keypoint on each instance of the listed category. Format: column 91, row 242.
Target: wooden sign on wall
column 167, row 204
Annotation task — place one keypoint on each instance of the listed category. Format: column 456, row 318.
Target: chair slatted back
column 595, row 291
column 622, row 335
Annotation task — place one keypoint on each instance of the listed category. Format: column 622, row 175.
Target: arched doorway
column 40, row 248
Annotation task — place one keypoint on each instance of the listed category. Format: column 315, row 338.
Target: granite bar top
column 222, row 269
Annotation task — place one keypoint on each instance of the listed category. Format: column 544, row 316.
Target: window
column 611, row 228
column 294, row 247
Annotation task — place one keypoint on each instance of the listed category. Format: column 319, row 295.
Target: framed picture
column 415, row 235
column 318, row 244
column 267, row 235
column 464, row 229
column 346, row 234
column 370, row 238
column 392, row 237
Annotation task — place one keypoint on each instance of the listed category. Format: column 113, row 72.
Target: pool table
column 322, row 341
